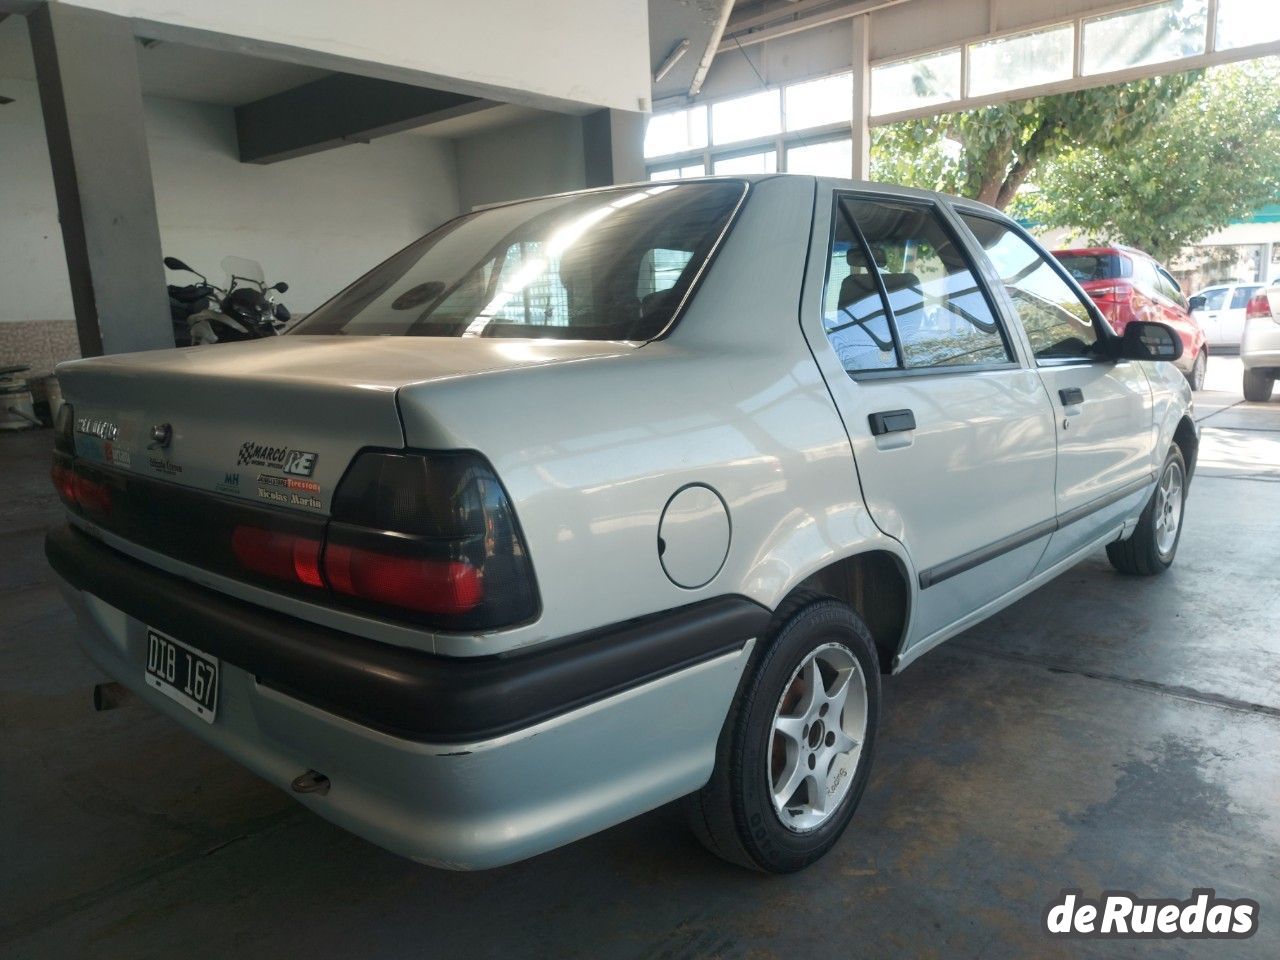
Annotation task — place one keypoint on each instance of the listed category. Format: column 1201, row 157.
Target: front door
column 952, row 435
column 1210, row 315
column 1103, row 412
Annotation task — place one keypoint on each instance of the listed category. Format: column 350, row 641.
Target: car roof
column 860, row 186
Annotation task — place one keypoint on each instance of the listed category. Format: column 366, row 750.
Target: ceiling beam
column 338, row 110
column 785, row 21
column 713, row 47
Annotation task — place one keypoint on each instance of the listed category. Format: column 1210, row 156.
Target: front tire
column 1151, row 547
column 795, row 753
column 1257, row 386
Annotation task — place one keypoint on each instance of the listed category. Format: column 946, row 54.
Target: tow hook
column 108, row 696
column 313, row 781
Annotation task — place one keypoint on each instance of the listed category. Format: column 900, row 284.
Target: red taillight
column 1116, row 292
column 1115, row 300
column 433, row 535
column 1259, row 308
column 64, row 481
column 281, row 556
column 450, row 587
column 76, row 490
column 93, row 497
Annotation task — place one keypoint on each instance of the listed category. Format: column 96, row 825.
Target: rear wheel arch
column 874, row 584
column 1184, row 435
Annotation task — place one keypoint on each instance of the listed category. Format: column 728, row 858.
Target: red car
column 1127, row 284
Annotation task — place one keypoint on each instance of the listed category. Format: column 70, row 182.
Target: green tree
column 989, row 153
column 1213, row 158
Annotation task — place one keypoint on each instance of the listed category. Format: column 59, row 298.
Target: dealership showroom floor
column 1104, row 732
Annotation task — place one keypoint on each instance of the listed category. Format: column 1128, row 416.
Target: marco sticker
column 1119, row 914
column 298, row 463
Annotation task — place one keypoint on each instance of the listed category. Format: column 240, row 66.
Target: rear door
column 1103, row 407
column 1233, row 316
column 952, row 433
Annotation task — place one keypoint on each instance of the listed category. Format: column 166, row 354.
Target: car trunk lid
column 275, row 422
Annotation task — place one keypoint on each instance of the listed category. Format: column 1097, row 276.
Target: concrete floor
column 1104, row 733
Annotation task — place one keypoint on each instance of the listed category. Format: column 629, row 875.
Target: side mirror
column 1196, row 303
column 173, row 263
column 1143, row 340
column 281, row 287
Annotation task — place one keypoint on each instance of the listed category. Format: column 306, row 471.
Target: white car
column 1260, row 348
column 582, row 504
column 1220, row 311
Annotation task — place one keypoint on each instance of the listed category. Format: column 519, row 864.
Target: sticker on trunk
column 298, row 463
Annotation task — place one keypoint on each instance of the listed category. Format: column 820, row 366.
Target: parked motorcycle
column 245, row 309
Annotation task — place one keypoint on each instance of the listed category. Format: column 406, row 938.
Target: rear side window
column 1084, row 267
column 1058, row 323
column 856, row 321
column 1242, row 295
column 900, row 255
column 1169, row 286
column 607, row 265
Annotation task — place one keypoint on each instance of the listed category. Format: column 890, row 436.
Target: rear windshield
column 1095, row 266
column 609, row 265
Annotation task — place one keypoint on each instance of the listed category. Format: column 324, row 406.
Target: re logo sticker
column 298, row 463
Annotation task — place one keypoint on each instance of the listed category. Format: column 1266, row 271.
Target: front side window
column 1213, row 298
column 1058, row 323
column 607, row 265
column 939, row 312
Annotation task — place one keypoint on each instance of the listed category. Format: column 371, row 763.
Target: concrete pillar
column 91, row 96
column 613, row 147
column 860, row 125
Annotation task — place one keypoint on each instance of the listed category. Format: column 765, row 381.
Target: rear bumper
column 1260, row 346
column 457, row 763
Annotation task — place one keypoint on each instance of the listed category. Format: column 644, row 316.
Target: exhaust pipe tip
column 313, row 781
column 108, row 696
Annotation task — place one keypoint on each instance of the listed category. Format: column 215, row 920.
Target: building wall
column 524, row 160
column 316, row 222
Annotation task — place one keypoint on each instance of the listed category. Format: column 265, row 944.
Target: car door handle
column 891, row 421
column 1071, row 396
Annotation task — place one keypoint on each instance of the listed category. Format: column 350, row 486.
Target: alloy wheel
column 819, row 727
column 1168, row 510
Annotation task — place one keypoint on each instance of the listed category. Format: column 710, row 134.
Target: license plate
column 183, row 674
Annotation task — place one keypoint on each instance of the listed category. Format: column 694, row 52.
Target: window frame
column 962, row 243
column 1099, row 325
column 779, row 142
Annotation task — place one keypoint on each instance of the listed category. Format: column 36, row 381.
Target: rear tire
column 1151, row 547
column 813, row 689
column 1257, row 386
column 1198, row 369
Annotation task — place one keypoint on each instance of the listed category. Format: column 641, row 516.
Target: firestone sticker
column 288, row 483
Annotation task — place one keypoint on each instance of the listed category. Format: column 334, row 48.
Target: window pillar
column 860, row 124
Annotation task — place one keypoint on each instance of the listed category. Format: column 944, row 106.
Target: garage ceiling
column 177, row 71
column 181, row 72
